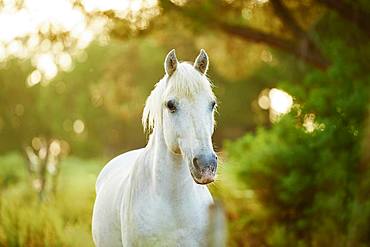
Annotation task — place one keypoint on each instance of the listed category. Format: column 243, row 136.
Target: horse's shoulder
column 119, row 164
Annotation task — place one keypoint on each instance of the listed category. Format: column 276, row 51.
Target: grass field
column 63, row 220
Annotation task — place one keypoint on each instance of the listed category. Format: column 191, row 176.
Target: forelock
column 187, row 81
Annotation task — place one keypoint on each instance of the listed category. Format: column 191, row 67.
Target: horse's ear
column 201, row 62
column 170, row 63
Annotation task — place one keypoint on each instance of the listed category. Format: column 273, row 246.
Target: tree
column 310, row 184
column 293, row 37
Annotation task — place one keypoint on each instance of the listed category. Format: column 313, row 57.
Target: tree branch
column 305, row 44
column 301, row 48
column 283, row 13
column 353, row 14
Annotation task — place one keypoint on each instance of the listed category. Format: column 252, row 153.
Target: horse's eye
column 213, row 105
column 171, row 106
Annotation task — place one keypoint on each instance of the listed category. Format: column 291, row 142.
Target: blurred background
column 292, row 80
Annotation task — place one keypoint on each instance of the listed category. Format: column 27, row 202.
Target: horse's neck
column 169, row 172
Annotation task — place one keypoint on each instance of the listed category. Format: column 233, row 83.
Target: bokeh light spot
column 55, row 148
column 78, row 126
column 281, row 102
column 34, row 78
column 264, row 102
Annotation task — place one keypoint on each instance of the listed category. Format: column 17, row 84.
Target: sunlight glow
column 46, row 65
column 310, row 124
column 276, row 101
column 138, row 12
column 181, row 2
column 281, row 102
column 65, row 61
column 34, row 78
column 261, row 1
column 53, row 33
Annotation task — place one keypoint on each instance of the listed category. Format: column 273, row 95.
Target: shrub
column 312, row 186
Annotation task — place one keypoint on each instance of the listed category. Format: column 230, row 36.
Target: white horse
column 156, row 196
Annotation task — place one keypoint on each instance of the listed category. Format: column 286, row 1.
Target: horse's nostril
column 214, row 156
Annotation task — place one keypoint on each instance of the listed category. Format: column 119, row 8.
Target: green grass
column 63, row 220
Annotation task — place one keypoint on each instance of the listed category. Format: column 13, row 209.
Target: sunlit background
column 292, row 123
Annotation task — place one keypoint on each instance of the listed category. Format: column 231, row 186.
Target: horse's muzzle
column 205, row 167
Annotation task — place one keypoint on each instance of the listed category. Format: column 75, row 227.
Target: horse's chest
column 160, row 222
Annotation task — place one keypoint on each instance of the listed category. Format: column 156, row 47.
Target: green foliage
column 12, row 170
column 107, row 92
column 311, row 185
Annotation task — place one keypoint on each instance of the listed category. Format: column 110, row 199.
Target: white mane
column 184, row 82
